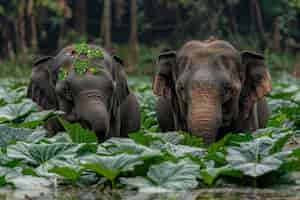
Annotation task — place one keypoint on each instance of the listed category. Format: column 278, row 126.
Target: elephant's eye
column 228, row 92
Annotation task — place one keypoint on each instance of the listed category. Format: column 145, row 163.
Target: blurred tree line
column 31, row 26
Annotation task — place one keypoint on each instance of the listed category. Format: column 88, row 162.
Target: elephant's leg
column 130, row 115
column 165, row 115
column 262, row 113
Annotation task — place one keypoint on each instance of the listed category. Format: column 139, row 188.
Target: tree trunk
column 8, row 46
column 134, row 44
column 21, row 31
column 259, row 19
column 31, row 15
column 233, row 23
column 120, row 11
column 67, row 13
column 107, row 24
column 80, row 16
column 276, row 34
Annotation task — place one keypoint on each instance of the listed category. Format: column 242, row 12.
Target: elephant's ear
column 120, row 78
column 163, row 78
column 258, row 81
column 41, row 88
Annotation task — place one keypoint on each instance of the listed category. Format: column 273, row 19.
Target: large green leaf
column 12, row 96
column 30, row 183
column 170, row 176
column 210, row 172
column 123, row 145
column 11, row 112
column 254, row 158
column 79, row 134
column 67, row 172
column 179, row 151
column 37, row 154
column 9, row 135
column 111, row 166
column 36, row 119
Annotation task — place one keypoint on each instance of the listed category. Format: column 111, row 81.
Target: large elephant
column 209, row 88
column 90, row 86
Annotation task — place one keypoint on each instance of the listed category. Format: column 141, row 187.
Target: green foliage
column 148, row 160
column 79, row 134
column 168, row 175
column 67, row 173
column 84, row 55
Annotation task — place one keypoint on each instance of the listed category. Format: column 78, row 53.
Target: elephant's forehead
column 197, row 49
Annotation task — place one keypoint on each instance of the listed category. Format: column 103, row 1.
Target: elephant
column 209, row 88
column 90, row 87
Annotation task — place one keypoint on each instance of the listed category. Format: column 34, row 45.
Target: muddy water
column 205, row 194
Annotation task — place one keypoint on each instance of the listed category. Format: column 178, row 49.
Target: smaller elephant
column 209, row 88
column 91, row 88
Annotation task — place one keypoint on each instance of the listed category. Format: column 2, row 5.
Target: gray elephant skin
column 101, row 102
column 209, row 88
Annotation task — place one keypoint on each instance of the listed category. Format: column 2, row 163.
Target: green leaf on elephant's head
column 79, row 134
column 62, row 74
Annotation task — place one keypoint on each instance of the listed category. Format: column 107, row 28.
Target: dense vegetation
column 133, row 28
column 147, row 159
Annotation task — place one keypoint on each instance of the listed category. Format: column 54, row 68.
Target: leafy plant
column 79, row 134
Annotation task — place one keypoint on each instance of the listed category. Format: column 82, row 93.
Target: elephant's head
column 90, row 86
column 211, row 85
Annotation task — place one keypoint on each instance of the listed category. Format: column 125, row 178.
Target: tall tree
column 64, row 12
column 21, row 28
column 134, row 44
column 120, row 11
column 33, row 29
column 107, row 24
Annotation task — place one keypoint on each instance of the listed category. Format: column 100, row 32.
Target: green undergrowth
column 148, row 159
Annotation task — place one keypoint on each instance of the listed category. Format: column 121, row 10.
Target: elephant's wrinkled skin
column 99, row 101
column 209, row 88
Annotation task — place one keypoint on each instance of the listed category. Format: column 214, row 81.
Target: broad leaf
column 30, row 183
column 179, row 151
column 123, row 145
column 12, row 96
column 36, row 119
column 66, row 172
column 111, row 166
column 9, row 135
column 79, row 134
column 11, row 112
column 170, row 176
column 36, row 154
column 254, row 158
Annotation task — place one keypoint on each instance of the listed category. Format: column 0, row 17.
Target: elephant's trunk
column 92, row 112
column 204, row 114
